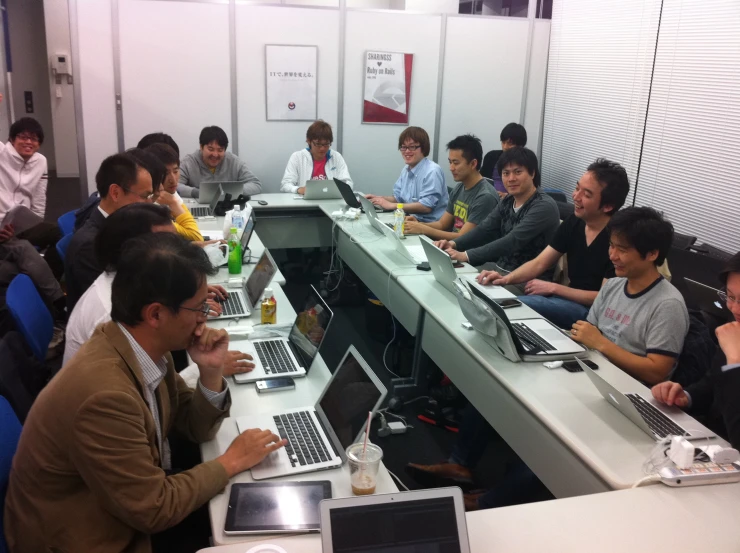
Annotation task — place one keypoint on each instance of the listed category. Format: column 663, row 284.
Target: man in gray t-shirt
column 638, row 320
column 472, row 200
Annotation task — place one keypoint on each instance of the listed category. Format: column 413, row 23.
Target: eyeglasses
column 727, row 300
column 411, row 148
column 204, row 309
column 320, row 144
column 146, row 197
column 28, row 138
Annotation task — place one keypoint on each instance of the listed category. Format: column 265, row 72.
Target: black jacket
column 81, row 267
column 489, row 163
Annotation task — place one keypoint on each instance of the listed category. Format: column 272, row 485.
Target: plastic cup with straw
column 364, row 461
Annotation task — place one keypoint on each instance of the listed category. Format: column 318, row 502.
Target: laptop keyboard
column 233, row 305
column 530, row 340
column 274, row 357
column 305, row 446
column 200, row 211
column 659, row 423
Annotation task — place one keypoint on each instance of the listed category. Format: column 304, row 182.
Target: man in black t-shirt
column 599, row 193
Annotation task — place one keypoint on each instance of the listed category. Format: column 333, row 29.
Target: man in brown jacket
column 92, row 468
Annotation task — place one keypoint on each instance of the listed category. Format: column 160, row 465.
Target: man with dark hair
column 470, row 202
column 421, row 188
column 159, row 138
column 519, row 227
column 600, row 192
column 23, row 180
column 316, row 162
column 512, row 135
column 93, row 466
column 638, row 320
column 121, row 180
column 212, row 163
column 185, row 224
column 715, row 397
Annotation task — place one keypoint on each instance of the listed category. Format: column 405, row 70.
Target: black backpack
column 699, row 349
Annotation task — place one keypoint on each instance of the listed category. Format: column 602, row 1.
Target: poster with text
column 387, row 87
column 291, row 77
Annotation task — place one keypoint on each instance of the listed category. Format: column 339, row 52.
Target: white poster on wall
column 387, row 87
column 291, row 79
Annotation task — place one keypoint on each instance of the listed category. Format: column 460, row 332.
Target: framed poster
column 291, row 82
column 387, row 87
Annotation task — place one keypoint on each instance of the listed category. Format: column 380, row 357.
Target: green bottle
column 235, row 253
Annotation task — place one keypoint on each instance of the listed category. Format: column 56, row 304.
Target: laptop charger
column 681, row 452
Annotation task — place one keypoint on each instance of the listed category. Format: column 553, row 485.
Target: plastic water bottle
column 398, row 220
column 235, row 252
column 236, row 218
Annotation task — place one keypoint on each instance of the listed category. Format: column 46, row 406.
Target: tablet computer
column 275, row 507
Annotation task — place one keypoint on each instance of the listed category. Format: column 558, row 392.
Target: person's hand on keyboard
column 249, row 449
column 217, row 292
column 457, row 256
column 670, row 393
column 215, row 307
column 587, row 334
column 237, row 363
column 492, row 278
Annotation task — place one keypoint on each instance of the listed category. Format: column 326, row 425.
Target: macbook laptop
column 413, row 252
column 247, row 235
column 317, row 436
column 207, row 211
column 208, row 190
column 372, row 217
column 347, row 193
column 234, row 188
column 321, row 190
column 240, row 303
column 651, row 417
column 534, row 339
column 706, row 299
column 291, row 357
column 421, row 521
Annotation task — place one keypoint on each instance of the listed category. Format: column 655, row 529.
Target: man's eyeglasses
column 316, row 144
column 204, row 309
column 28, row 138
column 727, row 300
column 411, row 148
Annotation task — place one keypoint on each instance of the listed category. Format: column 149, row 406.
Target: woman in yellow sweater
column 184, row 222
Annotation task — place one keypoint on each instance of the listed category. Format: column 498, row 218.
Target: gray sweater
column 232, row 169
column 511, row 239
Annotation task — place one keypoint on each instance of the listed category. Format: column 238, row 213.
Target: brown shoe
column 470, row 500
column 443, row 474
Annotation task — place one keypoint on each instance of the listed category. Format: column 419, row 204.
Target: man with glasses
column 715, row 397
column 121, row 180
column 421, row 188
column 94, row 469
column 316, row 162
column 23, row 180
column 212, row 163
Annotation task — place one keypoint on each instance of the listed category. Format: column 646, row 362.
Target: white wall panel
column 535, row 102
column 96, row 83
column 371, row 151
column 175, row 72
column 481, row 98
column 267, row 145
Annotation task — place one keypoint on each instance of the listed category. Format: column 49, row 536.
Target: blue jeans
column 559, row 311
column 474, row 435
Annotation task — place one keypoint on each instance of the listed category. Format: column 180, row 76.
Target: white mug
column 218, row 254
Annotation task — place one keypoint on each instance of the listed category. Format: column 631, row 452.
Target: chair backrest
column 63, row 244
column 10, row 433
column 555, row 194
column 682, row 241
column 30, row 314
column 66, row 222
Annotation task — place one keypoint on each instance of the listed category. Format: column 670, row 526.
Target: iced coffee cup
column 363, row 467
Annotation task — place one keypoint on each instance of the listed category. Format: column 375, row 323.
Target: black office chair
column 682, row 241
column 565, row 209
column 712, row 251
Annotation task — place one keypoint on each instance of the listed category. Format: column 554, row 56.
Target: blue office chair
column 10, row 433
column 67, row 222
column 63, row 244
column 30, row 314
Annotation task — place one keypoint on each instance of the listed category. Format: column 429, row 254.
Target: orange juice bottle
column 269, row 308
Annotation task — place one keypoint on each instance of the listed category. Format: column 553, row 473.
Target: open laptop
column 317, row 436
column 418, row 521
column 351, row 197
column 653, row 418
column 234, row 188
column 208, row 190
column 240, row 303
column 247, row 235
column 291, row 357
column 209, row 210
column 706, row 299
column 372, row 217
column 534, row 339
column 321, row 189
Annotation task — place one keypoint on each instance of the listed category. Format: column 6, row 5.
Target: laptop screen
column 347, row 193
column 418, row 526
column 310, row 327
column 351, row 394
column 260, row 278
column 216, row 198
column 247, row 233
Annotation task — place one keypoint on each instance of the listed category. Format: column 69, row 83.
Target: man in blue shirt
column 421, row 187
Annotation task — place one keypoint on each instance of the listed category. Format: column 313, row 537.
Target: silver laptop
column 321, row 189
column 208, row 190
column 292, row 356
column 234, row 188
column 372, row 217
column 417, row 521
column 240, row 303
column 653, row 418
column 317, row 436
column 534, row 339
column 206, row 211
column 706, row 299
